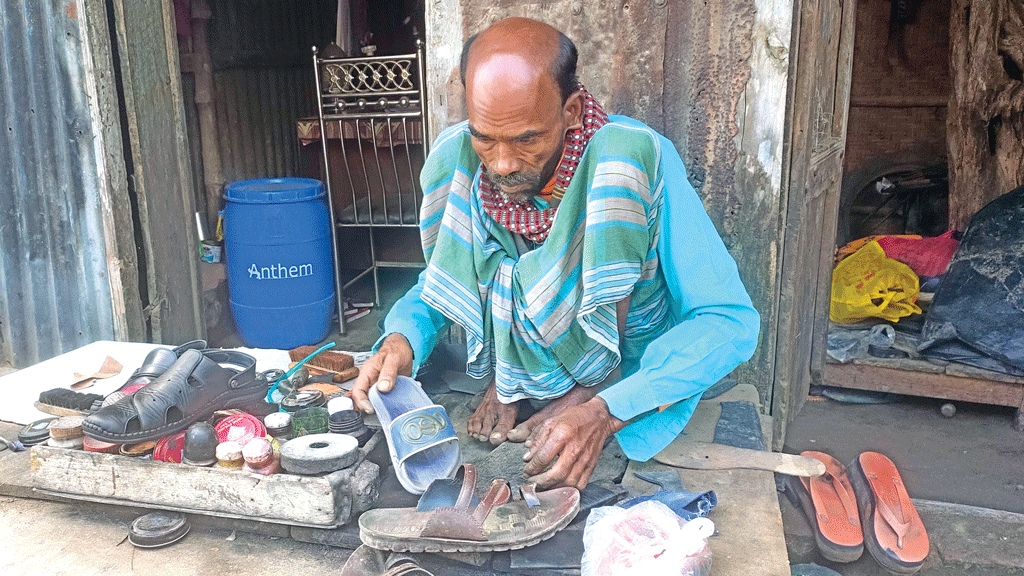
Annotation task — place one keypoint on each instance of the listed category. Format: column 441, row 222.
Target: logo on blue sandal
column 423, row 428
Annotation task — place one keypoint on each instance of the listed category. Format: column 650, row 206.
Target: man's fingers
column 554, row 475
column 367, row 376
column 546, row 446
column 388, row 372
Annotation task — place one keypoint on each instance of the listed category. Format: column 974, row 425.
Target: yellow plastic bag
column 867, row 284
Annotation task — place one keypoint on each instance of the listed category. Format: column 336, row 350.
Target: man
column 566, row 243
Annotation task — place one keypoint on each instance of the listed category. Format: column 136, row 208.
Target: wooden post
column 985, row 121
column 213, row 178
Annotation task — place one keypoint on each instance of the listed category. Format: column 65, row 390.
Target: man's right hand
column 393, row 358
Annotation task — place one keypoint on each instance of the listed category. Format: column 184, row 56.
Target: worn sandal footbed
column 893, row 532
column 195, row 386
column 830, row 505
column 495, row 523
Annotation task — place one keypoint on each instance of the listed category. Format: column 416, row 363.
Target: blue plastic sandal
column 420, row 436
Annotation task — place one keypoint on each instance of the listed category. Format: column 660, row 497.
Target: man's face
column 518, row 129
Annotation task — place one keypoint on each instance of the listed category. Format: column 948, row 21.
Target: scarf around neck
column 526, row 218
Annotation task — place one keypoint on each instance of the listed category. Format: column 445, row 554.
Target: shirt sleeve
column 417, row 321
column 717, row 324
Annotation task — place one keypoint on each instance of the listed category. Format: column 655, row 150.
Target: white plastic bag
column 644, row 540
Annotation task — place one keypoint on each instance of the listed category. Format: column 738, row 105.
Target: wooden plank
column 819, row 103
column 709, row 456
column 112, row 479
column 749, row 539
column 112, row 180
column 914, row 383
column 985, row 124
column 161, row 177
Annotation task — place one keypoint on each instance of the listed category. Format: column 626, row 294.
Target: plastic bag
column 925, row 256
column 868, row 284
column 847, row 345
column 644, row 540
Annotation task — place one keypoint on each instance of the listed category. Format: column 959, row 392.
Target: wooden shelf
column 936, row 383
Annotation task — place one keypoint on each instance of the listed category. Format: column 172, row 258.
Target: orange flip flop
column 893, row 531
column 831, row 508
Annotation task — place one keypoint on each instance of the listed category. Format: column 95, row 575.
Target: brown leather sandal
column 495, row 523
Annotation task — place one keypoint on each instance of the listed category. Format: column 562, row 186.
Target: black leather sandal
column 156, row 363
column 196, row 385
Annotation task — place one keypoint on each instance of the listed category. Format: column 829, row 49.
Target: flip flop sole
column 830, row 550
column 866, row 505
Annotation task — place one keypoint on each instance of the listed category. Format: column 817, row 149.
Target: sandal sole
column 431, row 545
column 866, row 504
column 828, row 549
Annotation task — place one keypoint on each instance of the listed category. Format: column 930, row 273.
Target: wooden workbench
column 749, row 539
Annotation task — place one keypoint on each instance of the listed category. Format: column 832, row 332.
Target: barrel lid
column 273, row 190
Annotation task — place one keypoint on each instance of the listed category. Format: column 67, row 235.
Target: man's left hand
column 572, row 441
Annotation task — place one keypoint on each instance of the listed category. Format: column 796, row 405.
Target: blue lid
column 274, row 190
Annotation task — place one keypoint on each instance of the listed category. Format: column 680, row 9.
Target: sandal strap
column 244, row 361
column 529, row 492
column 468, row 487
column 900, row 520
column 498, row 494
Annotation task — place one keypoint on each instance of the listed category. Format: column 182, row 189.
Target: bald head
column 532, row 47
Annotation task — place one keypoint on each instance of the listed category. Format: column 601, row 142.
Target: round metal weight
column 319, row 453
column 158, row 529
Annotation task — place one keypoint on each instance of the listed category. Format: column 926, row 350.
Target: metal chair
column 375, row 106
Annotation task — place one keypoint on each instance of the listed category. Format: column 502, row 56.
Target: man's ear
column 572, row 112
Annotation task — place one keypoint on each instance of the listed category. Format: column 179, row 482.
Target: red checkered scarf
column 524, row 217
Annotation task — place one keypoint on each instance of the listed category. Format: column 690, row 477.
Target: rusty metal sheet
column 54, row 290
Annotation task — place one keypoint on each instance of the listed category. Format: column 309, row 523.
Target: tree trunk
column 985, row 121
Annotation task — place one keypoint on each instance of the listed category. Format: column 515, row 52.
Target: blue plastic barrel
column 277, row 242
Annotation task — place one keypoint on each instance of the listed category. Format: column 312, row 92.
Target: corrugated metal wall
column 263, row 78
column 54, row 291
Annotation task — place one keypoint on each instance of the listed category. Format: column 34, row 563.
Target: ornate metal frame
column 384, row 95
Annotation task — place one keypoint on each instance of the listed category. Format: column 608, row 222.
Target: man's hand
column 575, row 437
column 393, row 358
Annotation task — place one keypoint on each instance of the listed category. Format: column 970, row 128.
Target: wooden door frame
column 161, row 173
column 795, row 368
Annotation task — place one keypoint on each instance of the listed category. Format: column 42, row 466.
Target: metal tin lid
column 94, row 445
column 239, row 428
column 302, row 399
column 229, row 451
column 258, row 452
column 274, row 190
column 36, row 432
column 158, row 529
column 168, row 448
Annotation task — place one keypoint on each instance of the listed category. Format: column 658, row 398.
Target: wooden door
column 160, row 172
column 819, row 102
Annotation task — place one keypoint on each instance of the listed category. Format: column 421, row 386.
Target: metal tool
column 14, row 445
column 667, row 480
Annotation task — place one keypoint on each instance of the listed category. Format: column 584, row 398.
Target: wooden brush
column 326, row 361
